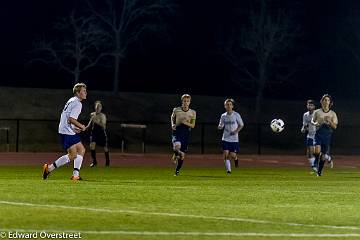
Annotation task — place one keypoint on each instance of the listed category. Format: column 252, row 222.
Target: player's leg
column 311, row 156
column 48, row 168
column 323, row 156
column 66, row 142
column 226, row 155
column 227, row 162
column 235, row 150
column 176, row 142
column 93, row 154
column 328, row 157
column 232, row 155
column 317, row 161
column 77, row 150
column 181, row 157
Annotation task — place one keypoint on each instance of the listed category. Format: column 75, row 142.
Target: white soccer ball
column 277, row 125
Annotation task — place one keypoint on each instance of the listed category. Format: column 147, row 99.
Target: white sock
column 228, row 165
column 77, row 165
column 311, row 161
column 327, row 157
column 59, row 162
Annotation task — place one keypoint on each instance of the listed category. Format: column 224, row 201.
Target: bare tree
column 77, row 46
column 254, row 48
column 125, row 21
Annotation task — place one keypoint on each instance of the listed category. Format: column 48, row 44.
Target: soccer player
column 69, row 129
column 310, row 130
column 326, row 122
column 231, row 122
column 98, row 134
column 182, row 121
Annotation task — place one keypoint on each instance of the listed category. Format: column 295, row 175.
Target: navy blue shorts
column 68, row 140
column 182, row 140
column 181, row 136
column 99, row 136
column 324, row 140
column 230, row 146
column 310, row 142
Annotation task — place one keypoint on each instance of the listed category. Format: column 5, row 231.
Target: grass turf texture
column 150, row 203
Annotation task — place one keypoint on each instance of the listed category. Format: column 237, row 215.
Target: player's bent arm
column 173, row 120
column 193, row 120
column 314, row 120
column 331, row 123
column 77, row 124
column 221, row 124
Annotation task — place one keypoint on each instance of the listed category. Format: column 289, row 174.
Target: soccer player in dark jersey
column 182, row 121
column 326, row 122
column 98, row 135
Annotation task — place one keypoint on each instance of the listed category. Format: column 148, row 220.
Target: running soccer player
column 310, row 130
column 182, row 121
column 98, row 134
column 69, row 129
column 326, row 122
column 231, row 122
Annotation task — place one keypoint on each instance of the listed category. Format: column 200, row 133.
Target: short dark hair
column 310, row 101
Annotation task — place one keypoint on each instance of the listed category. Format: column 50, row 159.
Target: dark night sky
column 189, row 55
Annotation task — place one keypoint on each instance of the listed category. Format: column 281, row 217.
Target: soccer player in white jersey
column 69, row 129
column 310, row 130
column 231, row 123
column 182, row 121
column 326, row 122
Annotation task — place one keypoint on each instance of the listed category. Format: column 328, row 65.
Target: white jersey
column 307, row 125
column 230, row 122
column 72, row 109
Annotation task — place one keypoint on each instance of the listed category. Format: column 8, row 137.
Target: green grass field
column 202, row 203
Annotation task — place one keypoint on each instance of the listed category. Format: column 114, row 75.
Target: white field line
column 3, row 232
column 249, row 220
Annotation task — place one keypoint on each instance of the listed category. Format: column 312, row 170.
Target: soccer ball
column 277, row 125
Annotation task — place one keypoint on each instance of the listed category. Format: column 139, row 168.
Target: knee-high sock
column 107, row 158
column 227, row 165
column 59, row 162
column 236, row 161
column 93, row 155
column 179, row 164
column 312, row 161
column 316, row 161
column 321, row 166
column 77, row 165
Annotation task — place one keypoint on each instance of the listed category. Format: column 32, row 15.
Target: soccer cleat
column 315, row 170
column 228, row 172
column 318, row 174
column 93, row 164
column 45, row 171
column 177, row 173
column 75, row 178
